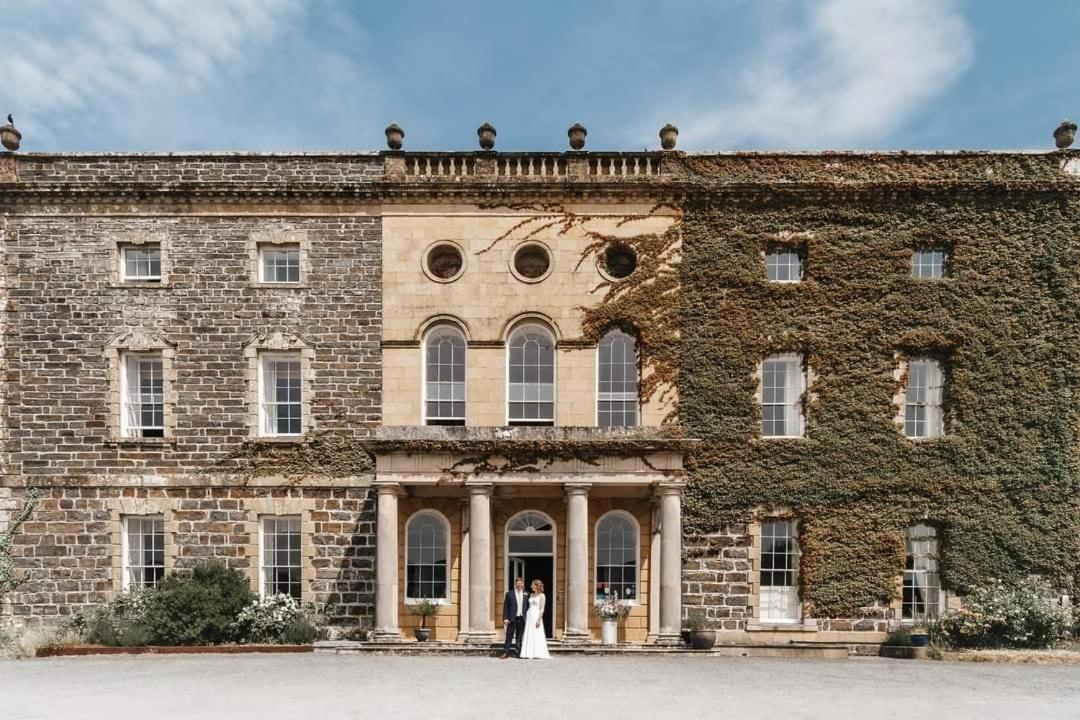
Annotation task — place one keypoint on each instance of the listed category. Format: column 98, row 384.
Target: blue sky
column 732, row 74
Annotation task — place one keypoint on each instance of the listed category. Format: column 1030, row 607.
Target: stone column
column 670, row 563
column 577, row 563
column 481, row 624
column 386, row 565
column 654, row 571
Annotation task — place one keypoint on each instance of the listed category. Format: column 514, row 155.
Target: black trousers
column 514, row 632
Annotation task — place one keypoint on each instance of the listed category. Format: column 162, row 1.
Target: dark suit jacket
column 509, row 601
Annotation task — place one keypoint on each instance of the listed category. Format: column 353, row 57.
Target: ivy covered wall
column 1002, row 485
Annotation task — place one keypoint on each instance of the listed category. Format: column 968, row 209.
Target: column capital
column 669, row 488
column 480, row 488
column 573, row 488
column 388, row 488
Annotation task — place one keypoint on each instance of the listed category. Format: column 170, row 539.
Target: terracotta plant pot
column 702, row 639
column 394, row 136
column 669, row 136
column 577, row 133
column 1064, row 135
column 486, row 133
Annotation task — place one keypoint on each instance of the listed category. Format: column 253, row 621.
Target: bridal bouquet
column 612, row 608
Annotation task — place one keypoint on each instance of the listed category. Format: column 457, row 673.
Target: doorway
column 530, row 554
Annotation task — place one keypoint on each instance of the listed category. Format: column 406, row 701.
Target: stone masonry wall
column 716, row 576
column 237, row 167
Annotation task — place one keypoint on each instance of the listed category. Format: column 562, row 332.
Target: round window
column 532, row 262
column 444, row 262
column 619, row 261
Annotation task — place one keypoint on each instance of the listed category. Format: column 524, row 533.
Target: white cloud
column 834, row 73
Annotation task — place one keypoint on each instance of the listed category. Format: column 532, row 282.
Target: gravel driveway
column 328, row 686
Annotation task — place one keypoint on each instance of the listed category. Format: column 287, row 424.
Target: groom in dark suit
column 515, row 605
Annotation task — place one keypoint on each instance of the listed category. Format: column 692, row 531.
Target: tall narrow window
column 779, row 571
column 617, row 556
column 141, row 263
column 783, row 381
column 922, row 586
column 279, row 263
column 142, row 396
column 444, row 377
column 281, row 392
column 783, row 264
column 617, row 384
column 144, row 551
column 427, row 553
column 280, row 568
column 923, row 416
column 928, row 263
column 532, row 377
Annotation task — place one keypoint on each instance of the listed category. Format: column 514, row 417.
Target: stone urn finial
column 669, row 135
column 577, row 133
column 1063, row 135
column 486, row 133
column 9, row 136
column 394, row 136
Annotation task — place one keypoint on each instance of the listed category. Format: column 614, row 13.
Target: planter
column 394, row 136
column 1064, row 135
column 702, row 639
column 577, row 133
column 669, row 136
column 609, row 631
column 920, row 639
column 423, row 634
column 486, row 134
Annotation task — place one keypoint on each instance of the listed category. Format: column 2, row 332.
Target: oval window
column 532, row 262
column 444, row 261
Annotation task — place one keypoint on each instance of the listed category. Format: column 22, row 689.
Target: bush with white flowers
column 1000, row 615
column 275, row 619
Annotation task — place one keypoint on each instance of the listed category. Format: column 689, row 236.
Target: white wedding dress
column 534, row 644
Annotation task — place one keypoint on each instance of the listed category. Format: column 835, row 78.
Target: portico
column 462, row 510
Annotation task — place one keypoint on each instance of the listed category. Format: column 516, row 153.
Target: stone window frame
column 804, row 402
column 122, row 508
column 258, row 508
column 902, row 362
column 120, row 241
column 755, row 622
column 278, row 342
column 636, row 600
column 548, row 329
column 140, row 341
column 448, row 529
column 441, row 326
column 259, row 239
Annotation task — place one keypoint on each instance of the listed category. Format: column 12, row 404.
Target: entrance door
column 537, row 568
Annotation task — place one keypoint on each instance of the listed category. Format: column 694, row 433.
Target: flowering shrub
column 275, row 619
column 120, row 622
column 1025, row 615
column 612, row 608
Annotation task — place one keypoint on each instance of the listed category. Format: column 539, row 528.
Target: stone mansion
column 758, row 387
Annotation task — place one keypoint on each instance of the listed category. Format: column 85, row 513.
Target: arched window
column 617, row 537
column 444, row 376
column 531, row 391
column 427, row 555
column 617, row 381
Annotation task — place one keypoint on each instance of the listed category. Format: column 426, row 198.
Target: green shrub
column 301, row 631
column 200, row 608
column 900, row 637
column 119, row 622
column 1024, row 615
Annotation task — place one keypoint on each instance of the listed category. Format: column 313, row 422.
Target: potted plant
column 920, row 635
column 701, row 637
column 610, row 609
column 424, row 609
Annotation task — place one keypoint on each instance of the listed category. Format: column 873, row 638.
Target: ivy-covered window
column 928, row 263
column 532, row 377
column 783, row 263
column 617, row 381
column 922, row 584
column 444, row 376
column 923, row 414
column 783, row 382
column 427, row 553
column 779, row 571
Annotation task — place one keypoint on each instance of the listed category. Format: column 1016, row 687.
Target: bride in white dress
column 534, row 644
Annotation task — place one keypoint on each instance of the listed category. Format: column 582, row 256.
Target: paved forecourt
column 261, row 686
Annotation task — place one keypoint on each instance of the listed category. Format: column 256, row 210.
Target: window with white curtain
column 617, row 381
column 617, row 556
column 444, row 376
column 779, row 571
column 144, row 551
column 281, row 393
column 783, row 264
column 783, row 382
column 427, row 557
column 923, row 414
column 531, row 367
column 928, row 263
column 922, row 585
column 280, row 569
column 142, row 395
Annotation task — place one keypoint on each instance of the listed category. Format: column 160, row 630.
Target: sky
column 311, row 75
